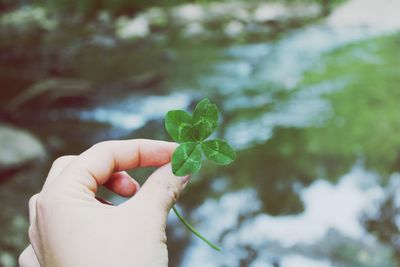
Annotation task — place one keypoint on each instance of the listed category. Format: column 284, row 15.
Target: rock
column 381, row 15
column 137, row 27
column 189, row 13
column 51, row 90
column 280, row 12
column 234, row 28
column 18, row 148
column 270, row 12
column 193, row 29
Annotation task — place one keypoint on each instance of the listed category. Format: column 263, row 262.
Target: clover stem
column 194, row 231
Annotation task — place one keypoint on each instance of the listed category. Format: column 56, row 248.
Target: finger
column 160, row 191
column 32, row 208
column 96, row 165
column 58, row 166
column 28, row 258
column 122, row 184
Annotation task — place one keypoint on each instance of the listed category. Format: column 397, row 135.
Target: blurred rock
column 193, row 29
column 235, row 19
column 282, row 12
column 29, row 16
column 189, row 13
column 268, row 12
column 18, row 148
column 234, row 28
column 156, row 16
column 367, row 13
column 137, row 27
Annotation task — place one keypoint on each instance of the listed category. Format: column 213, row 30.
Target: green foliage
column 192, row 131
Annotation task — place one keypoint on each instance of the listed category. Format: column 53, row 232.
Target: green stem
column 194, row 231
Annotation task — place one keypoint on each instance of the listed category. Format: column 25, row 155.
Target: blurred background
column 308, row 92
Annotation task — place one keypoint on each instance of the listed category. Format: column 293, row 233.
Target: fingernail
column 185, row 178
column 104, row 201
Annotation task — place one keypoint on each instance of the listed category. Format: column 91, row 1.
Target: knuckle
column 32, row 201
column 170, row 189
column 63, row 159
column 40, row 203
column 47, row 204
column 31, row 233
column 23, row 258
column 102, row 145
column 43, row 203
column 98, row 146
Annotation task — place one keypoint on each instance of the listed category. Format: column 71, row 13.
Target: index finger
column 95, row 166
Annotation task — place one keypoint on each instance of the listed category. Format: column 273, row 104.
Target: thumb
column 160, row 191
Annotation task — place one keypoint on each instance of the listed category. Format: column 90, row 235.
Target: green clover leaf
column 191, row 133
column 218, row 151
column 187, row 159
column 205, row 119
column 179, row 126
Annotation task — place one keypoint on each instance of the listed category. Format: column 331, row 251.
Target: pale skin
column 69, row 227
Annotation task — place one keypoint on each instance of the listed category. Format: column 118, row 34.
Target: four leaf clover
column 191, row 132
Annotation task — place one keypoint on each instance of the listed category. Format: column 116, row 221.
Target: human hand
column 69, row 227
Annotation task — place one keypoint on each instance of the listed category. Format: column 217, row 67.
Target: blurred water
column 240, row 67
column 327, row 207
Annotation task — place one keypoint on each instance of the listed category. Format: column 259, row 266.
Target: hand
column 69, row 227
